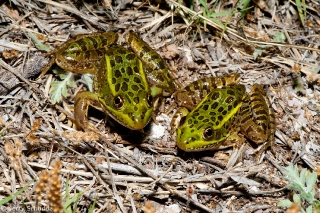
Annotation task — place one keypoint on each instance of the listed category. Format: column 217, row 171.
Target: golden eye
column 118, row 102
column 207, row 133
column 149, row 100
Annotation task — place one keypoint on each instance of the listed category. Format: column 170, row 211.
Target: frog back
column 122, row 87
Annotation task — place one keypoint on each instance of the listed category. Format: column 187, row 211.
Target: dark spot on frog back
column 117, row 87
column 196, row 113
column 205, row 107
column 229, row 99
column 118, row 59
column 120, row 50
column 212, row 113
column 214, row 105
column 117, row 73
column 136, row 69
column 130, row 56
column 137, row 80
column 230, row 92
column 136, row 100
column 215, row 95
column 112, row 63
column 135, row 87
column 124, row 87
column 130, row 94
column 142, row 86
column 129, row 71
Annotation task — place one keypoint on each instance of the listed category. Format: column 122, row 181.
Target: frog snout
column 137, row 121
column 185, row 140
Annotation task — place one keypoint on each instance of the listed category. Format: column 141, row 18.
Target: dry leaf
column 296, row 68
column 12, row 13
column 8, row 54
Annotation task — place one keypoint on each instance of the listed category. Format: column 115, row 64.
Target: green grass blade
column 9, row 198
column 302, row 10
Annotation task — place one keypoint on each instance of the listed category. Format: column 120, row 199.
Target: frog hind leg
column 272, row 125
column 257, row 120
column 82, row 53
column 158, row 73
column 83, row 100
column 195, row 92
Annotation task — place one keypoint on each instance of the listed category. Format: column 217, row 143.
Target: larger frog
column 220, row 109
column 126, row 82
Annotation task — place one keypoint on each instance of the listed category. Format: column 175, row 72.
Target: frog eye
column 149, row 100
column 207, row 133
column 118, row 102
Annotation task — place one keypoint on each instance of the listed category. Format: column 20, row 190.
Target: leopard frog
column 126, row 82
column 220, row 108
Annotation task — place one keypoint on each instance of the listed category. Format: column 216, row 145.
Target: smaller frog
column 220, row 108
column 127, row 81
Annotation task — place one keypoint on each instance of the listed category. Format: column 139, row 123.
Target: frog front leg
column 178, row 118
column 83, row 100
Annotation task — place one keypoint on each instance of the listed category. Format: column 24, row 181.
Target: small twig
column 237, row 193
column 134, row 210
column 95, row 173
column 121, row 178
column 255, row 208
column 72, row 10
column 273, row 161
column 115, row 192
column 162, row 176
